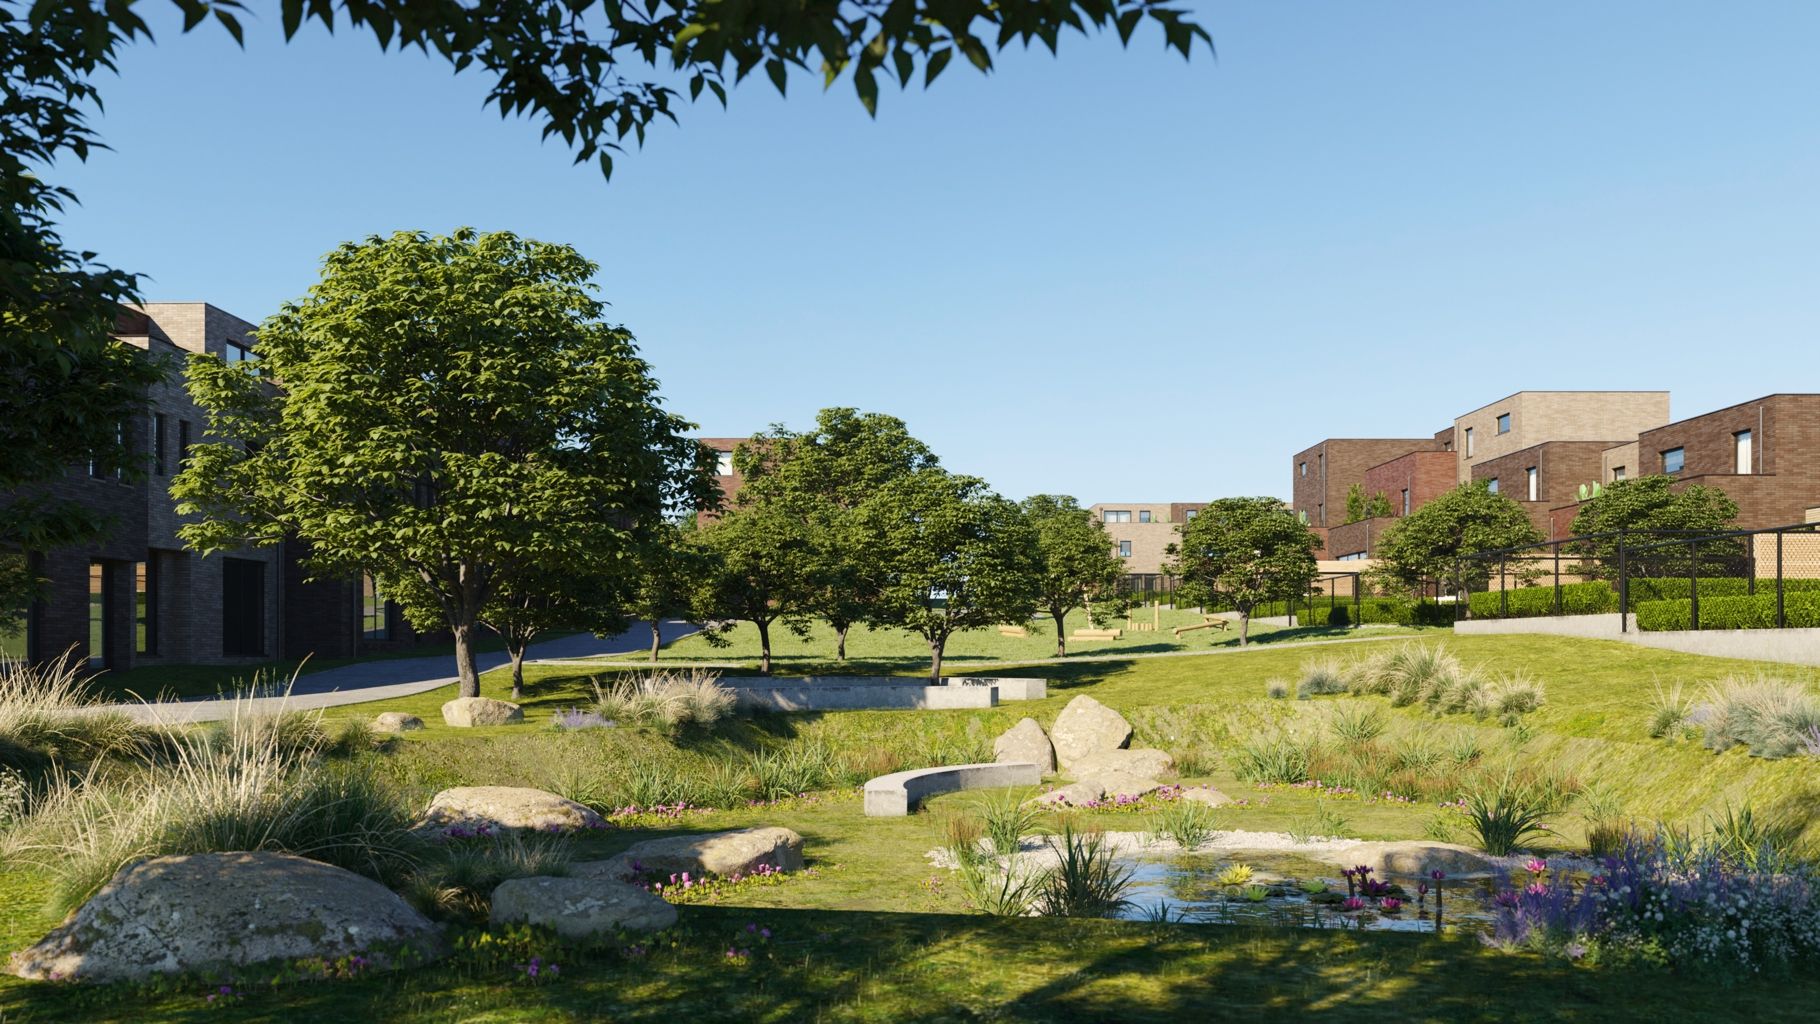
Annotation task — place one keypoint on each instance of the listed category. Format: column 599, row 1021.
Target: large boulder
column 1123, row 785
column 1206, row 795
column 1145, row 763
column 507, row 807
column 1417, row 858
column 1025, row 742
column 1086, row 727
column 170, row 915
column 467, row 712
column 397, row 721
column 580, row 907
column 1075, row 794
column 740, row 852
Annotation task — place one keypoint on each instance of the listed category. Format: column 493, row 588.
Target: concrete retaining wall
column 1601, row 627
column 823, row 693
column 1788, row 646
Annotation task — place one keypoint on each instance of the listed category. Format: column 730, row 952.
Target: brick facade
column 1783, row 480
column 1538, row 416
column 729, row 480
column 1322, row 474
column 1148, row 540
column 1561, row 467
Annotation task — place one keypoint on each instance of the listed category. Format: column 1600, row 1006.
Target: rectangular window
column 1504, row 423
column 373, row 624
column 1124, row 549
column 723, row 463
column 158, row 450
column 238, row 352
column 1741, row 446
column 1303, row 469
column 1320, row 512
column 242, row 607
column 1116, row 516
column 145, row 607
column 1492, row 485
column 1469, row 442
column 97, row 615
column 1673, row 460
column 1405, row 501
column 1535, row 483
column 1189, row 514
column 1617, row 472
column 1143, row 515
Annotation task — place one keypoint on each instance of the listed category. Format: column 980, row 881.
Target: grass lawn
column 876, row 934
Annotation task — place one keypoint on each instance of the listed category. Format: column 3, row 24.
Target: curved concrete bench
column 897, row 794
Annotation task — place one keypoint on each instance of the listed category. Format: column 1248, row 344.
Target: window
column 1320, row 512
column 1504, row 423
column 242, row 607
column 1469, row 442
column 1492, row 485
column 158, row 452
column 1617, row 472
column 1405, row 501
column 1116, row 516
column 1673, row 460
column 1303, row 469
column 145, row 607
column 1143, row 515
column 1124, row 549
column 723, row 463
column 97, row 615
column 1189, row 514
column 240, row 352
column 373, row 625
column 1741, row 446
column 1535, row 483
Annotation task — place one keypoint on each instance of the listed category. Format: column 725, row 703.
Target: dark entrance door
column 242, row 607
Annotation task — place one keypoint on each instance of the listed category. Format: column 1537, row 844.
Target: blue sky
column 1112, row 274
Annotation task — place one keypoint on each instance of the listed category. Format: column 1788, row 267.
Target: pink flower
column 1536, row 866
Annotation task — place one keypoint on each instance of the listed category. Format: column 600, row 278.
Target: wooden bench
column 1212, row 623
column 1097, row 634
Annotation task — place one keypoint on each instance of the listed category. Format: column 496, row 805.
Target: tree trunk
column 764, row 646
column 1244, row 628
column 1061, row 634
column 935, row 660
column 657, row 637
column 840, row 641
column 464, row 659
column 517, row 651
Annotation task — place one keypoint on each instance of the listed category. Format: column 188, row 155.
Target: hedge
column 1674, row 588
column 1744, row 612
column 1399, row 611
column 1598, row 596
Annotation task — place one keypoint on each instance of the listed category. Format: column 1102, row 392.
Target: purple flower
column 1536, row 866
column 1390, row 904
column 1353, row 903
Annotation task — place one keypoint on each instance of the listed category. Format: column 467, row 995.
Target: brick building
column 1528, row 418
column 1141, row 533
column 138, row 597
column 729, row 480
column 1543, row 477
column 1325, row 472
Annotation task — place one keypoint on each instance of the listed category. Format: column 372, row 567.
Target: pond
column 1290, row 891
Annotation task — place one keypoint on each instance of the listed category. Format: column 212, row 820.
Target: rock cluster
column 1088, row 743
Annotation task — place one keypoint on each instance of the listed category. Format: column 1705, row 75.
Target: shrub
column 668, row 700
column 1279, row 758
column 1276, row 689
column 1773, row 717
column 1506, row 813
column 1589, row 598
column 1357, row 721
column 1322, row 676
column 1187, row 822
column 1802, row 610
column 1087, row 881
column 1338, row 616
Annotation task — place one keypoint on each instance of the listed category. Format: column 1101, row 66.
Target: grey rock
column 1086, row 727
column 739, row 852
column 508, row 807
column 1075, row 794
column 397, row 721
column 1417, row 858
column 1123, row 784
column 1144, row 763
column 580, row 907
column 467, row 712
column 1025, row 742
column 1206, row 795
column 169, row 915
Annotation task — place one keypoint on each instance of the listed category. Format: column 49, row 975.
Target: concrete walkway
column 390, row 678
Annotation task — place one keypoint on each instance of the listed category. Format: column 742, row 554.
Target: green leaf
column 778, row 72
column 937, row 61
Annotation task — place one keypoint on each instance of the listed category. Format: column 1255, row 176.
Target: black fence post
column 1503, row 587
column 1750, row 564
column 1781, row 612
column 1623, row 588
column 1557, row 547
column 1693, row 584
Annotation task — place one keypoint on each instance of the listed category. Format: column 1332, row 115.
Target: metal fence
column 1745, row 578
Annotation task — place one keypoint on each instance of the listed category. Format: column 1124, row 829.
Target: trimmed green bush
column 1759, row 612
column 1591, row 598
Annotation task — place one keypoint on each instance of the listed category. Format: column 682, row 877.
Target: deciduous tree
column 446, row 414
column 1436, row 542
column 1649, row 511
column 760, row 574
column 1245, row 552
column 1075, row 559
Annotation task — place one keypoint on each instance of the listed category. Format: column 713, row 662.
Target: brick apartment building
column 138, row 597
column 729, row 480
column 1323, row 473
column 1141, row 533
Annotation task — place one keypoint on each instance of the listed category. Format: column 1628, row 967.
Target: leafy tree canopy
column 1648, row 504
column 448, row 413
column 1075, row 560
column 1245, row 552
column 1359, row 507
column 763, row 553
column 1434, row 541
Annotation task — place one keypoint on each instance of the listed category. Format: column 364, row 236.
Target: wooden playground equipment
column 1013, row 631
column 1207, row 622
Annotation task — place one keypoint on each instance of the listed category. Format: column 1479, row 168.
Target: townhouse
column 1141, row 533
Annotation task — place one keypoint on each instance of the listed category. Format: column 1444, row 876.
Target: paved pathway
column 389, row 678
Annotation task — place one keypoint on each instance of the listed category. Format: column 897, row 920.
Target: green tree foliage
column 761, row 571
column 1244, row 552
column 1434, row 541
column 953, row 556
column 1075, row 559
column 824, row 477
column 1643, row 505
column 673, row 567
column 1359, row 507
column 452, row 416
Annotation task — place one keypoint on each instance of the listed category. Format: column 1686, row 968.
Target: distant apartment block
column 138, row 597
column 724, row 474
column 1141, row 533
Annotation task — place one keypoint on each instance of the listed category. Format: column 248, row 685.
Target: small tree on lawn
column 1436, row 541
column 673, row 568
column 442, row 413
column 526, row 605
column 1245, row 552
column 1646, row 504
column 1075, row 559
column 824, row 476
column 954, row 556
column 760, row 573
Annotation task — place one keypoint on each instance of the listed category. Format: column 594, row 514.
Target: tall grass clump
column 1011, row 892
column 48, row 715
column 1670, row 711
column 240, row 786
column 1008, row 819
column 1087, row 880
column 1772, row 717
column 1506, row 812
column 1322, row 676
column 1279, row 757
column 1187, row 822
column 456, row 880
column 672, row 701
column 1357, row 721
